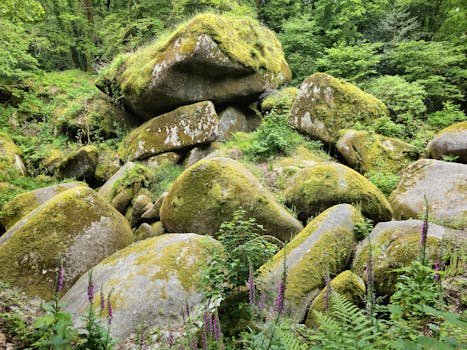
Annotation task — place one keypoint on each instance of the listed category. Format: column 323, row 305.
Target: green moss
column 211, row 190
column 29, row 252
column 281, row 100
column 322, row 245
column 335, row 104
column 242, row 39
column 317, row 188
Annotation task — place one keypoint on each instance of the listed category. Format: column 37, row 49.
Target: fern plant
column 346, row 326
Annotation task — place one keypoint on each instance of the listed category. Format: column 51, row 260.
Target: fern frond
column 289, row 340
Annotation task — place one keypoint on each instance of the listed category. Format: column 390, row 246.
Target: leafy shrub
column 274, row 136
column 386, row 182
column 450, row 114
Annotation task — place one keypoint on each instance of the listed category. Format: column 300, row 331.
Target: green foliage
column 274, row 136
column 352, row 63
column 363, row 229
column 406, row 100
column 275, row 13
column 164, row 175
column 449, row 115
column 346, row 327
column 302, row 45
column 244, row 249
column 386, row 182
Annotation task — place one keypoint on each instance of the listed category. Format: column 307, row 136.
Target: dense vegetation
column 408, row 53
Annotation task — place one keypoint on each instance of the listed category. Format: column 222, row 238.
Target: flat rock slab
column 184, row 127
column 443, row 183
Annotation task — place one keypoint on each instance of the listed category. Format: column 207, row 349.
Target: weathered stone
column 209, row 192
column 444, row 184
column 141, row 203
column 164, row 158
column 325, row 244
column 51, row 161
column 210, row 57
column 76, row 225
column 320, row 186
column 153, row 212
column 158, row 228
column 120, row 189
column 366, row 151
column 80, row 164
column 201, row 152
column 10, row 155
column 325, row 105
column 279, row 100
column 347, row 284
column 394, row 245
column 26, row 202
column 144, row 231
column 108, row 163
column 152, row 282
column 451, row 141
column 231, row 120
column 186, row 126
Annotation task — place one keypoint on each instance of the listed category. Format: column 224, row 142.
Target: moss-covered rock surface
column 80, row 164
column 325, row 184
column 366, row 151
column 184, row 127
column 325, row 244
column 451, row 141
column 347, row 284
column 153, row 281
column 210, row 191
column 10, row 155
column 325, row 105
column 26, row 202
column 443, row 183
column 210, row 57
column 76, row 225
column 395, row 244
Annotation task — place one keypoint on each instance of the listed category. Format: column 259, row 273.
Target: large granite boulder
column 26, row 202
column 366, row 151
column 444, row 184
column 451, row 141
column 231, row 120
column 210, row 57
column 395, row 244
column 210, row 191
column 325, row 105
column 76, row 225
column 325, row 244
column 325, row 184
column 184, row 127
column 153, row 281
column 80, row 164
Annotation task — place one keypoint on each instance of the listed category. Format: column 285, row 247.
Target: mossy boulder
column 325, row 244
column 76, row 225
column 394, row 245
column 26, row 202
column 444, row 184
column 210, row 57
column 123, row 186
column 231, row 120
column 346, row 284
column 280, row 100
column 204, row 151
column 209, row 192
column 161, row 159
column 153, row 212
column 108, row 163
column 325, row 105
column 144, row 231
column 451, row 141
column 320, row 186
column 152, row 281
column 51, row 160
column 80, row 164
column 10, row 156
column 184, row 127
column 366, row 151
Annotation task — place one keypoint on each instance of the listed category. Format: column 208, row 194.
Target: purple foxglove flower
column 328, row 290
column 102, row 301
column 262, row 301
column 61, row 273
column 216, row 329
column 171, row 339
column 251, row 289
column 90, row 288
column 204, row 338
column 437, row 269
column 280, row 297
column 110, row 311
column 194, row 344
